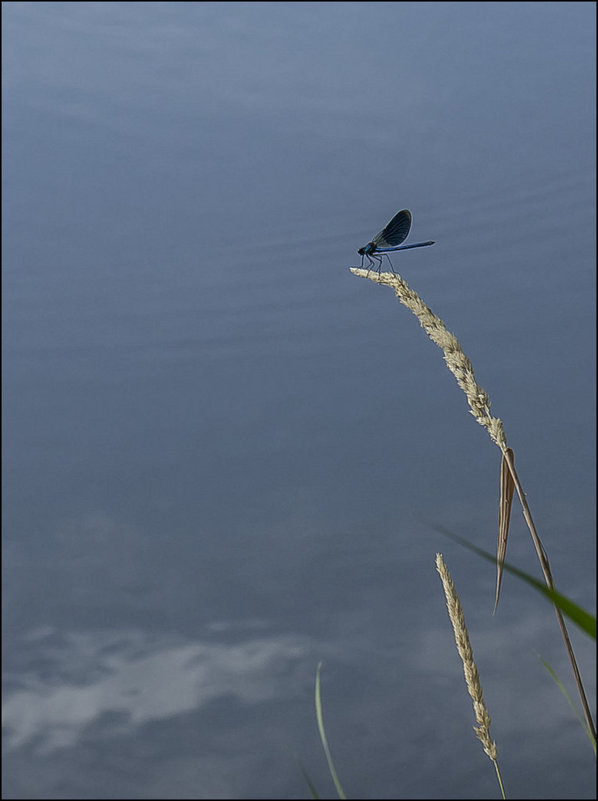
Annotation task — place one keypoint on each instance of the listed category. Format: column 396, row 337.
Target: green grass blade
column 322, row 731
column 575, row 613
column 571, row 704
column 310, row 784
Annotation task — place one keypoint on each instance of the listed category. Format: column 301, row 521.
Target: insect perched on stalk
column 389, row 240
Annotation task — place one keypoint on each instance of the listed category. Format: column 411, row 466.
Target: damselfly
column 389, row 239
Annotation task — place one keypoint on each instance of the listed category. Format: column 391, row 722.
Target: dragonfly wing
column 395, row 231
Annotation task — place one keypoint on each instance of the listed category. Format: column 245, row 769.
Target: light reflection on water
column 139, row 679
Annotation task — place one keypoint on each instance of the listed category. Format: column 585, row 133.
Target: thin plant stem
column 545, row 565
column 479, row 403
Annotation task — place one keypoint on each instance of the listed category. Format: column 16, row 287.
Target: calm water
column 224, row 455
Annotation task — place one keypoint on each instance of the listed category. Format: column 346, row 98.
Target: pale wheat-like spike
column 472, row 679
column 456, row 361
column 479, row 404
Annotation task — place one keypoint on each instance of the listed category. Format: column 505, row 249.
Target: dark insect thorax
column 366, row 250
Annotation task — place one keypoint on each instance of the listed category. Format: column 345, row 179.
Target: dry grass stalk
column 478, row 400
column 470, row 670
column 456, row 360
column 507, row 489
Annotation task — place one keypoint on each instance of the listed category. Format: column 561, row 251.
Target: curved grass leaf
column 322, row 731
column 577, row 614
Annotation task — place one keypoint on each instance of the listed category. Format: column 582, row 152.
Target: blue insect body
column 389, row 239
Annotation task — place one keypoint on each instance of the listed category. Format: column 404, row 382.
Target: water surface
column 225, row 456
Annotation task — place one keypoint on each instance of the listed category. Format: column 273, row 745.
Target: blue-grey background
column 225, row 456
